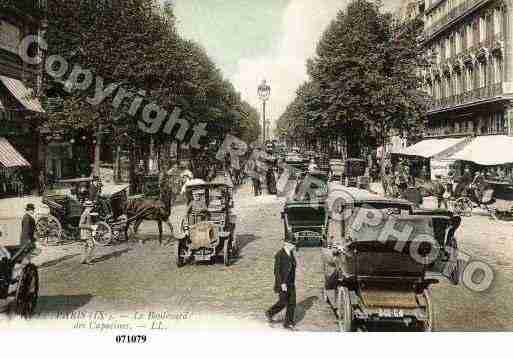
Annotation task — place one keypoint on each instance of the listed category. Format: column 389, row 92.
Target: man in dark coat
column 28, row 226
column 284, row 285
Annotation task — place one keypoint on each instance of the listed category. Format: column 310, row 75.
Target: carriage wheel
column 428, row 325
column 103, row 235
column 227, row 252
column 180, row 251
column 28, row 292
column 344, row 310
column 48, row 230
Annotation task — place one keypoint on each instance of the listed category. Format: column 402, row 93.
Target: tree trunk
column 131, row 168
column 117, row 164
column 97, row 151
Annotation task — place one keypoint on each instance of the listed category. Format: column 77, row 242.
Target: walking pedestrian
column 284, row 285
column 86, row 232
column 439, row 191
column 42, row 182
column 28, row 226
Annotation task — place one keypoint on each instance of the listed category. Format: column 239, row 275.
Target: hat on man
column 30, row 207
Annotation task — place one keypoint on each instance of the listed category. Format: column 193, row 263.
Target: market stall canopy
column 22, row 94
column 430, row 148
column 9, row 157
column 487, row 151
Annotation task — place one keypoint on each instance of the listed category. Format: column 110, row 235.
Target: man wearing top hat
column 86, row 232
column 28, row 225
column 284, row 285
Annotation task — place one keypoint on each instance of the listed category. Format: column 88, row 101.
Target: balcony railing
column 481, row 93
column 453, row 14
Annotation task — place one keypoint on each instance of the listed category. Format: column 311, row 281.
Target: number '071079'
column 137, row 339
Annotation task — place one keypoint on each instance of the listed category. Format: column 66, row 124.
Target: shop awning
column 430, row 148
column 9, row 157
column 487, row 151
column 22, row 94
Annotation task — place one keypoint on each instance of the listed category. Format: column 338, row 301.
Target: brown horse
column 158, row 210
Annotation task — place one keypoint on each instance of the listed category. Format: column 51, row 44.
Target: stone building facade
column 471, row 76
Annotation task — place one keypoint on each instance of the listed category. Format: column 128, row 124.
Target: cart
column 371, row 279
column 209, row 225
column 19, row 280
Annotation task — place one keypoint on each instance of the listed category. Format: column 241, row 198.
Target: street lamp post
column 264, row 91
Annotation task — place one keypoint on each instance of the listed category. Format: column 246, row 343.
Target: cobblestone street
column 131, row 277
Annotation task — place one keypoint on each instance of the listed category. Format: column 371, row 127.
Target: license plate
column 390, row 313
column 200, row 257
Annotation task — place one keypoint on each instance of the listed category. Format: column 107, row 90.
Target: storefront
column 13, row 167
column 432, row 154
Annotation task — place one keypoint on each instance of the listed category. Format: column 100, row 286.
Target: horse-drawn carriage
column 209, row 225
column 466, row 196
column 59, row 219
column 19, row 280
column 375, row 277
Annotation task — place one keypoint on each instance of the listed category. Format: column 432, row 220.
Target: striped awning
column 9, row 157
column 22, row 94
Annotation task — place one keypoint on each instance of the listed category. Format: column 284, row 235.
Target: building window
column 489, row 25
column 483, row 76
column 498, row 21
column 498, row 69
column 475, row 32
column 470, row 35
column 482, row 28
column 464, row 37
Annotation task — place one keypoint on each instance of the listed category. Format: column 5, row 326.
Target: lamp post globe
column 264, row 92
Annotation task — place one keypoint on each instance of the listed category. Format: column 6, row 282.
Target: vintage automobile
column 19, row 280
column 376, row 278
column 336, row 170
column 297, row 162
column 304, row 216
column 57, row 221
column 209, row 225
column 354, row 173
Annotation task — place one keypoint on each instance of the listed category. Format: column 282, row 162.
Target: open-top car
column 209, row 225
column 381, row 258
